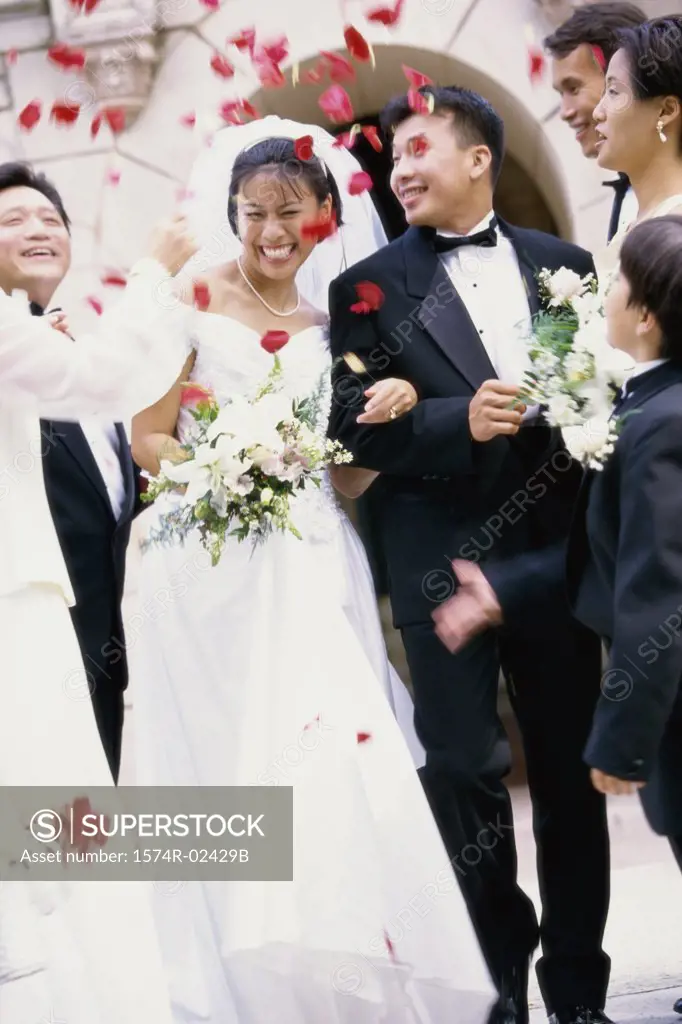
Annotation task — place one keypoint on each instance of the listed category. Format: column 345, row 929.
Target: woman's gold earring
column 659, row 128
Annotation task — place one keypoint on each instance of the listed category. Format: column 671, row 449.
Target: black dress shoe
column 512, row 1004
column 678, row 1006
column 580, row 1015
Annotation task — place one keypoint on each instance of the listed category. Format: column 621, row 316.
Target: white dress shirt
column 104, row 444
column 629, row 210
column 490, row 284
column 639, row 369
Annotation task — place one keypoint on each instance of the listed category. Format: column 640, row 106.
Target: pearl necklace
column 275, row 312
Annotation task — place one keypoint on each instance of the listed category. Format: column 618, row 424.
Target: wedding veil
column 206, row 205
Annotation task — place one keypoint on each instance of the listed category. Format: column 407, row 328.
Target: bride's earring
column 659, row 128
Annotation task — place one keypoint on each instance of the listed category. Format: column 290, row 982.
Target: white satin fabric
column 270, row 669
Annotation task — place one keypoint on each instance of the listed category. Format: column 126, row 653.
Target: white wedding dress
column 233, row 662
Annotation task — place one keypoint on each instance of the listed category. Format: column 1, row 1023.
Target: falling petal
column 370, row 293
column 244, row 40
column 416, row 79
column 66, row 57
column 356, row 44
column 536, row 58
column 273, row 341
column 222, row 66
column 359, row 182
column 96, row 125
column 321, row 228
column 269, row 73
column 94, row 302
column 11, row 57
column 30, row 115
column 277, row 50
column 599, row 57
column 113, row 177
column 390, row 947
column 418, row 145
column 340, row 69
column 84, row 6
column 420, row 103
column 249, row 108
column 303, row 148
column 213, row 5
column 372, row 135
column 335, row 103
column 188, row 120
column 388, row 16
column 364, row 736
column 65, row 113
column 114, row 280
column 115, row 118
column 201, row 295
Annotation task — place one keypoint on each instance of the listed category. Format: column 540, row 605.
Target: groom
column 469, row 472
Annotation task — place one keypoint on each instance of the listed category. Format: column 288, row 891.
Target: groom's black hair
column 651, row 263
column 21, row 175
column 280, row 154
column 594, row 25
column 654, row 53
column 475, row 120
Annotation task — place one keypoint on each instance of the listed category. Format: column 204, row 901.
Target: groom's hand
column 491, row 412
column 473, row 609
column 173, row 244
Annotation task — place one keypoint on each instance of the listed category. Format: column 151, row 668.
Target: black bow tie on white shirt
column 486, row 238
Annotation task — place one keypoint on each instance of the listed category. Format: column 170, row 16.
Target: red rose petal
column 389, row 946
column 599, row 57
column 359, row 182
column 115, row 118
column 418, row 145
column 319, row 229
column 335, row 103
column 188, row 120
column 388, row 16
column 269, row 73
column 113, row 177
column 277, row 50
column 213, row 5
column 66, row 57
column 65, row 113
column 303, row 148
column 356, row 44
column 30, row 115
column 244, row 40
column 364, row 736
column 416, row 78
column 84, row 6
column 370, row 293
column 222, row 66
column 419, row 103
column 95, row 303
column 273, row 341
column 192, row 393
column 95, row 125
column 114, row 280
column 249, row 108
column 201, row 295
column 536, row 63
column 11, row 57
column 340, row 69
column 372, row 135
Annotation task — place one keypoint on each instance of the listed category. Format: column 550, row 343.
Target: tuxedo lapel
column 128, row 470
column 441, row 312
column 74, row 440
column 527, row 265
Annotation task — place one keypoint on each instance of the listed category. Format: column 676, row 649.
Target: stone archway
column 530, row 191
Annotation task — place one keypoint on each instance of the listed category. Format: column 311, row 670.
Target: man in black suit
column 622, row 568
column 464, row 472
column 581, row 49
column 90, row 478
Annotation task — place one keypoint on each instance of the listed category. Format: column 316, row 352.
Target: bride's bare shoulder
column 212, row 289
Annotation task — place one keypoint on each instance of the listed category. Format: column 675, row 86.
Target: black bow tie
column 486, row 238
column 36, row 310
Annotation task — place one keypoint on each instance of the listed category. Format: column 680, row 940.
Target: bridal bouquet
column 575, row 374
column 245, row 464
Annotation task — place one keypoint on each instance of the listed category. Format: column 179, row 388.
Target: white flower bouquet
column 246, row 462
column 575, row 374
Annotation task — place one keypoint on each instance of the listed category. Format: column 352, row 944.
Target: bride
column 275, row 642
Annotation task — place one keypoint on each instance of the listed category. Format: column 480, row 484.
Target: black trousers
column 553, row 676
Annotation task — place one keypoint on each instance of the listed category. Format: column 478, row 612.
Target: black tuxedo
column 447, row 496
column 94, row 546
column 624, row 574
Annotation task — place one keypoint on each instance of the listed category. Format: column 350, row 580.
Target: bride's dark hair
column 654, row 53
column 279, row 154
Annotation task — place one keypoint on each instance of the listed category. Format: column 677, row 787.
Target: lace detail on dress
column 229, row 360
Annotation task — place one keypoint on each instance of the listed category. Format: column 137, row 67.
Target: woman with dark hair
column 639, row 118
column 623, row 564
column 273, row 671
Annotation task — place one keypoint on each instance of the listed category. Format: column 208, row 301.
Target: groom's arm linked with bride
column 462, row 476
